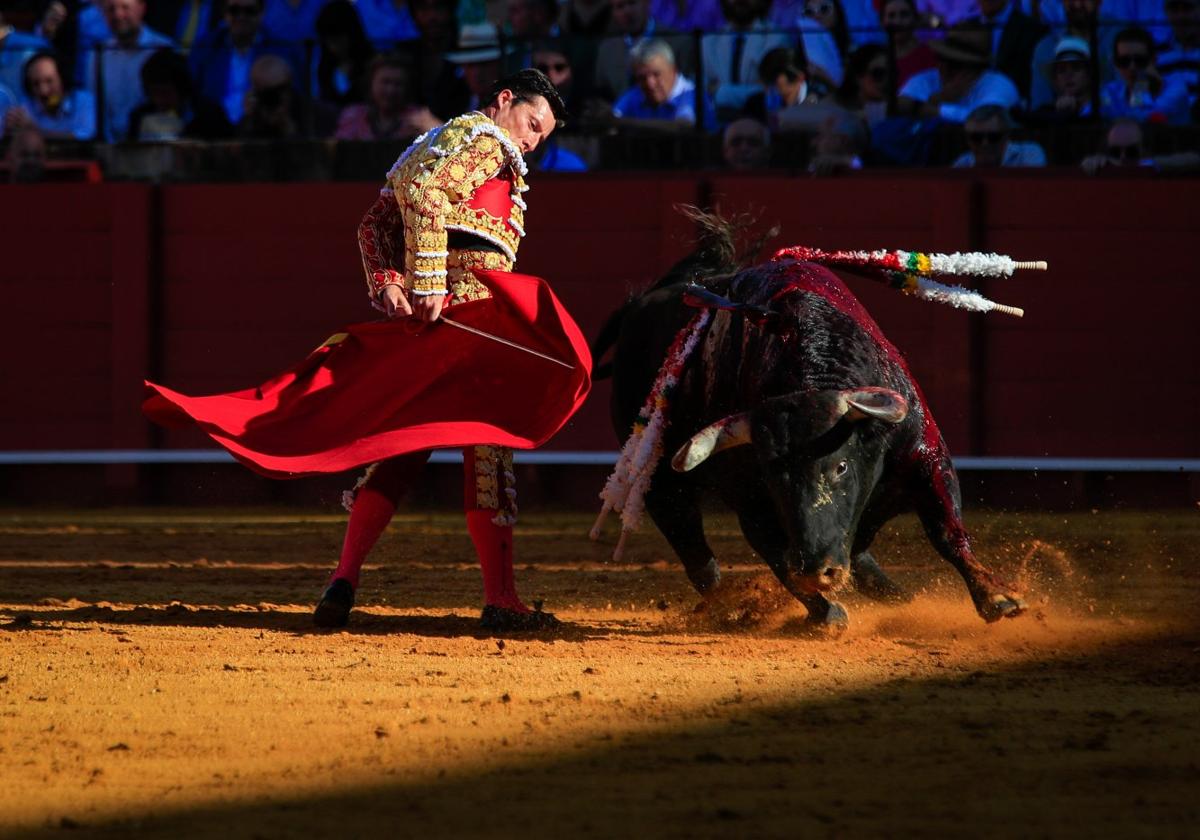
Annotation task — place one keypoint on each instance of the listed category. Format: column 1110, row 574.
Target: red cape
column 387, row 389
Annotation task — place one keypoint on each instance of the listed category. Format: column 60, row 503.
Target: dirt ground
column 159, row 676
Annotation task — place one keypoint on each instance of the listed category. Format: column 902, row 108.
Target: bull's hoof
column 504, row 620
column 1000, row 606
column 706, row 578
column 831, row 624
column 336, row 603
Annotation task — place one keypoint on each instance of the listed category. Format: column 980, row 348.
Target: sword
column 505, row 342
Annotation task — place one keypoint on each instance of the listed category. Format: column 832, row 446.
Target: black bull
column 805, row 420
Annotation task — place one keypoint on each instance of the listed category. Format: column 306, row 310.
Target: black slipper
column 335, row 606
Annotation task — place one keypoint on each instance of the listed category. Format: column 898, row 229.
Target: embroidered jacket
column 466, row 175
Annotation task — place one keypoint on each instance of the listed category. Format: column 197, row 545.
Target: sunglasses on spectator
column 556, row 66
column 1130, row 152
column 819, row 10
column 981, row 138
column 241, row 11
column 1140, row 61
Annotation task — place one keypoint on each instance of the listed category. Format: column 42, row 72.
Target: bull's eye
column 841, row 469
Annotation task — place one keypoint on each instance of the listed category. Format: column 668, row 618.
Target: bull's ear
column 732, row 431
column 874, row 403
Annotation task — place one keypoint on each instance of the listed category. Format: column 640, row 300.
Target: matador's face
column 527, row 123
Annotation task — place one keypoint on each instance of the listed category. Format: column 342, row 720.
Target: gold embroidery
column 432, row 184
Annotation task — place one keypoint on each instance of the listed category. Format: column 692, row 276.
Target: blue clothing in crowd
column 385, row 24
column 222, row 73
column 679, row 107
column 76, row 116
column 292, row 23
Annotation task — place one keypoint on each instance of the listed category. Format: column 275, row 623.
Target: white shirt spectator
column 121, row 70
column 1170, row 105
column 991, row 88
column 734, row 84
column 1015, row 154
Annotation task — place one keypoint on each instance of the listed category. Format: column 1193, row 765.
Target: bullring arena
column 160, row 674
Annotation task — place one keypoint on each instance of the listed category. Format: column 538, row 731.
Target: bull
column 802, row 417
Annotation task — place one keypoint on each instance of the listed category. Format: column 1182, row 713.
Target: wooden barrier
column 211, row 287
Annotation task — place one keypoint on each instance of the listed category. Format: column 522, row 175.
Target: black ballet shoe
column 503, row 619
column 335, row 606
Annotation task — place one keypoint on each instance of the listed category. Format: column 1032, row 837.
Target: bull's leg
column 674, row 505
column 873, row 581
column 940, row 509
column 769, row 541
column 869, row 578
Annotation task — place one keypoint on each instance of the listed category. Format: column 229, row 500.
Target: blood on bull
column 801, row 416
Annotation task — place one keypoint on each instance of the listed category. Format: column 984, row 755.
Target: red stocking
column 494, row 545
column 374, row 504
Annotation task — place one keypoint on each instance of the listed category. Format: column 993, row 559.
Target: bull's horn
column 875, row 403
column 732, row 431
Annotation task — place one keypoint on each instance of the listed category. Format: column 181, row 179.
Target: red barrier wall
column 213, row 287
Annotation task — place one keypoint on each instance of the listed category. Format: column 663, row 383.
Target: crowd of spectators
column 864, row 82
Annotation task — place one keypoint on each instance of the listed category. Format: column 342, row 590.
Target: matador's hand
column 395, row 301
column 427, row 307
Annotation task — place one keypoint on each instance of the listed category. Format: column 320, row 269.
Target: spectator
column 1139, row 92
column 171, row 109
column 272, row 110
column 552, row 59
column 1014, row 37
column 292, row 21
column 49, row 107
column 91, row 33
column 16, row 48
column 899, row 18
column 436, row 82
column 864, row 91
column 587, row 18
column 390, row 113
column 343, row 53
column 1070, row 75
column 988, row 131
column 1124, row 146
column 1081, row 22
column 529, row 20
column 746, row 145
column 962, row 81
column 687, row 15
column 839, row 145
column 26, row 157
column 221, row 61
column 120, row 63
column 634, row 24
column 478, row 63
column 731, row 57
column 1180, row 57
column 830, row 16
column 785, row 82
column 662, row 96
column 386, row 22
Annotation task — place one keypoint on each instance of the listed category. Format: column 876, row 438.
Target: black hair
column 1134, row 35
column 784, row 61
column 856, row 64
column 527, row 85
column 168, row 67
column 38, row 56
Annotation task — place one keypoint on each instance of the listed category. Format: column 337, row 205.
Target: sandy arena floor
column 159, row 676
